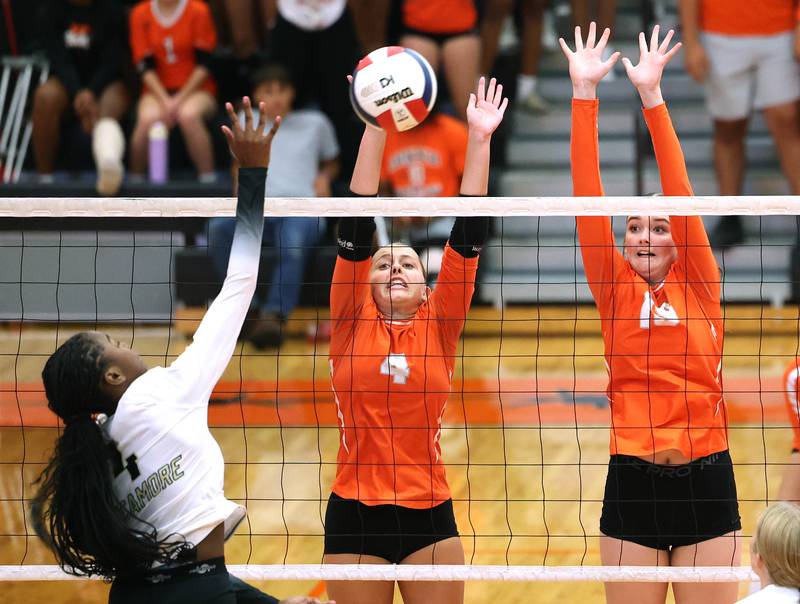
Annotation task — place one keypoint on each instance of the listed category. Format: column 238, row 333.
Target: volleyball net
column 524, row 435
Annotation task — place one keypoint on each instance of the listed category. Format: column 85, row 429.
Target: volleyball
column 393, row 88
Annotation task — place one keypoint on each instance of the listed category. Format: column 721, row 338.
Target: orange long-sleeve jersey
column 663, row 343
column 791, row 388
column 172, row 43
column 391, row 381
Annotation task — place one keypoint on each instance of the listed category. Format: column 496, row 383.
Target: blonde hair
column 777, row 542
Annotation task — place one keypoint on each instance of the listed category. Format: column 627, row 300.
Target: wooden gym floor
column 526, row 468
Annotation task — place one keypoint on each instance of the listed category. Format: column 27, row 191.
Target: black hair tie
column 74, row 419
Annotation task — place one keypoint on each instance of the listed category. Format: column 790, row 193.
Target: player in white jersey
column 134, row 489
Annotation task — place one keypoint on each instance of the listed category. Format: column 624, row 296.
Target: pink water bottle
column 159, row 159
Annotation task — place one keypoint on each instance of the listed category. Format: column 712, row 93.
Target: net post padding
column 409, row 572
column 196, row 207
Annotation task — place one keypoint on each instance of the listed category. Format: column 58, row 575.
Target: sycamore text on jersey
column 154, row 484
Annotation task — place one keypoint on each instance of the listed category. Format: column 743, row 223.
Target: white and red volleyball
column 393, row 88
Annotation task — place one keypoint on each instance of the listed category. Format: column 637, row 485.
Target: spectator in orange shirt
column 790, row 485
column 171, row 41
column 445, row 32
column 670, row 495
column 426, row 161
column 392, row 355
column 743, row 51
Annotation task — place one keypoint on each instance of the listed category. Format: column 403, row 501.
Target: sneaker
column 728, row 232
column 535, row 104
column 109, row 177
column 268, row 331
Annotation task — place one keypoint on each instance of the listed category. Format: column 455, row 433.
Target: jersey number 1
column 169, row 48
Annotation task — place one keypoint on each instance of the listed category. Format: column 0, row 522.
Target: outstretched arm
column 484, row 114
column 203, row 362
column 694, row 252
column 367, row 171
column 586, row 69
column 452, row 296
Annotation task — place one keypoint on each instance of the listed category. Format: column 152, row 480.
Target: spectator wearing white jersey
column 134, row 489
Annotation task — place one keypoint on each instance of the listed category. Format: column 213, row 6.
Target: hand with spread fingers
column 250, row 146
column 486, row 108
column 646, row 75
column 586, row 64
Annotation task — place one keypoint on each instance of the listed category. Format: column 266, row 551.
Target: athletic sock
column 108, row 146
column 526, row 85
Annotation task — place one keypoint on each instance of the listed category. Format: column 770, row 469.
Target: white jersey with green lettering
column 169, row 470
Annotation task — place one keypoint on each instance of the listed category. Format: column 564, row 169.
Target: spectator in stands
column 85, row 43
column 744, row 53
column 605, row 10
column 445, row 32
column 304, row 163
column 775, row 555
column 318, row 44
column 494, row 17
column 427, row 161
column 247, row 22
column 242, row 26
column 172, row 41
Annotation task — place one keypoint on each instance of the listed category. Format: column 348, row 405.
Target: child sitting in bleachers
column 304, row 162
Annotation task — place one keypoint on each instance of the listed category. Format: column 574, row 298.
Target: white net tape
column 188, row 207
column 413, row 572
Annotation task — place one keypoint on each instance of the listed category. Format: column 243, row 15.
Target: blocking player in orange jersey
column 171, row 41
column 790, row 485
column 670, row 496
column 392, row 357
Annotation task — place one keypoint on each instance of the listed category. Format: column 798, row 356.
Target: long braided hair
column 75, row 508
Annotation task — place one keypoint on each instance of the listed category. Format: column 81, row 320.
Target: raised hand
column 486, row 108
column 646, row 75
column 250, row 145
column 586, row 65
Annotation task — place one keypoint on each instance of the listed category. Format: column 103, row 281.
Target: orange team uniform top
column 791, row 386
column 440, row 16
column 663, row 344
column 172, row 43
column 426, row 161
column 391, row 381
column 747, row 17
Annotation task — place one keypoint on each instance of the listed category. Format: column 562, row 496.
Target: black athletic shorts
column 391, row 532
column 203, row 582
column 439, row 38
column 669, row 506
